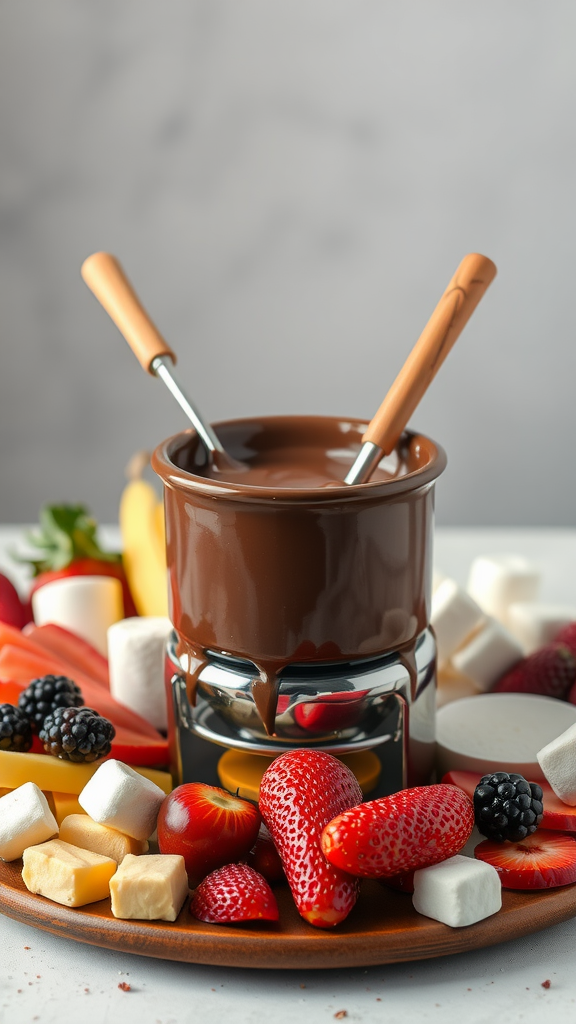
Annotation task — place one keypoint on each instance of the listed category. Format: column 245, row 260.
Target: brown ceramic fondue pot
column 281, row 563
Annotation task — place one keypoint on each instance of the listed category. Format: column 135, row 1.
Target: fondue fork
column 451, row 315
column 107, row 281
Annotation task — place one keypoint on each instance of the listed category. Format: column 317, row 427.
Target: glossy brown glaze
column 281, row 562
column 382, row 928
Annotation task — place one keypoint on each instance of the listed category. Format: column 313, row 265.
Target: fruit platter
column 106, row 839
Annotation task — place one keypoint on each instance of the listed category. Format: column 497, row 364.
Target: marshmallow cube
column 490, row 654
column 458, row 891
column 87, row 605
column 558, row 763
column 535, row 625
column 499, row 581
column 117, row 796
column 437, row 578
column 25, row 820
column 136, row 658
column 454, row 616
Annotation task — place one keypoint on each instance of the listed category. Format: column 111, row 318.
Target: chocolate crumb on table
column 547, row 983
column 124, row 986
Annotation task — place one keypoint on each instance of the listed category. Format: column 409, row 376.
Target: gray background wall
column 290, row 184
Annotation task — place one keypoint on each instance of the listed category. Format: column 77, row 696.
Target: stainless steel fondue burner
column 338, row 707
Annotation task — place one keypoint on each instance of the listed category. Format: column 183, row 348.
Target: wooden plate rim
column 383, row 928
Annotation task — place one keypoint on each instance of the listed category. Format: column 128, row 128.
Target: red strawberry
column 264, row 857
column 567, row 635
column 300, row 793
column 549, row 671
column 399, row 833
column 330, row 713
column 557, row 816
column 543, row 860
column 12, row 610
column 234, row 893
column 68, row 546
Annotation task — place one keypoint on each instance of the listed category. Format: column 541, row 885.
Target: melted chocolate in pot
column 279, row 562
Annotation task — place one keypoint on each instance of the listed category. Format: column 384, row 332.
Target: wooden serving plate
column 383, row 928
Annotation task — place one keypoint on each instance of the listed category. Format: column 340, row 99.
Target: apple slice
column 557, row 816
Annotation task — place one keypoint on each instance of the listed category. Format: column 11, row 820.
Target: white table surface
column 55, row 981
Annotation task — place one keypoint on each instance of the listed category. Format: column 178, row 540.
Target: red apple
column 207, row 826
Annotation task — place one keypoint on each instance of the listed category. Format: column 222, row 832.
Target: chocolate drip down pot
column 301, row 605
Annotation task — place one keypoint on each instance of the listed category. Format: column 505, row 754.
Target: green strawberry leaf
column 67, row 533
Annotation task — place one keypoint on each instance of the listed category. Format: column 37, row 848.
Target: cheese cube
column 80, row 830
column 25, row 819
column 67, row 874
column 117, row 796
column 65, row 804
column 457, row 891
column 558, row 763
column 149, row 888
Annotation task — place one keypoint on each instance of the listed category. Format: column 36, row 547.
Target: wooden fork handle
column 452, row 313
column 108, row 282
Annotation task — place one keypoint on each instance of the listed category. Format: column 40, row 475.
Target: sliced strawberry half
column 232, row 894
column 557, row 816
column 543, row 860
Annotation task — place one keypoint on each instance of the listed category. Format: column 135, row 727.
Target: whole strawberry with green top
column 67, row 545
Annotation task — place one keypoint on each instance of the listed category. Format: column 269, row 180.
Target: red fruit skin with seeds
column 549, row 671
column 300, row 793
column 544, row 860
column 557, row 816
column 232, row 894
column 404, row 832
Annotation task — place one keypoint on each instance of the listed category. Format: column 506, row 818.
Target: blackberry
column 43, row 695
column 506, row 807
column 15, row 729
column 77, row 734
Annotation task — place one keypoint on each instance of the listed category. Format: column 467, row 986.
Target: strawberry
column 557, row 816
column 300, row 793
column 549, row 671
column 234, row 893
column 68, row 546
column 264, row 857
column 12, row 610
column 403, row 832
column 543, row 860
column 567, row 635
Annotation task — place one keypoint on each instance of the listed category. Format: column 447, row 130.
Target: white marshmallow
column 87, row 605
column 454, row 616
column 498, row 581
column 452, row 685
column 25, row 820
column 136, row 658
column 118, row 796
column 490, row 653
column 535, row 625
column 558, row 762
column 458, row 891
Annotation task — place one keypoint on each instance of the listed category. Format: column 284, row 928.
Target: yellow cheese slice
column 81, row 830
column 53, row 773
column 66, row 874
column 242, row 773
